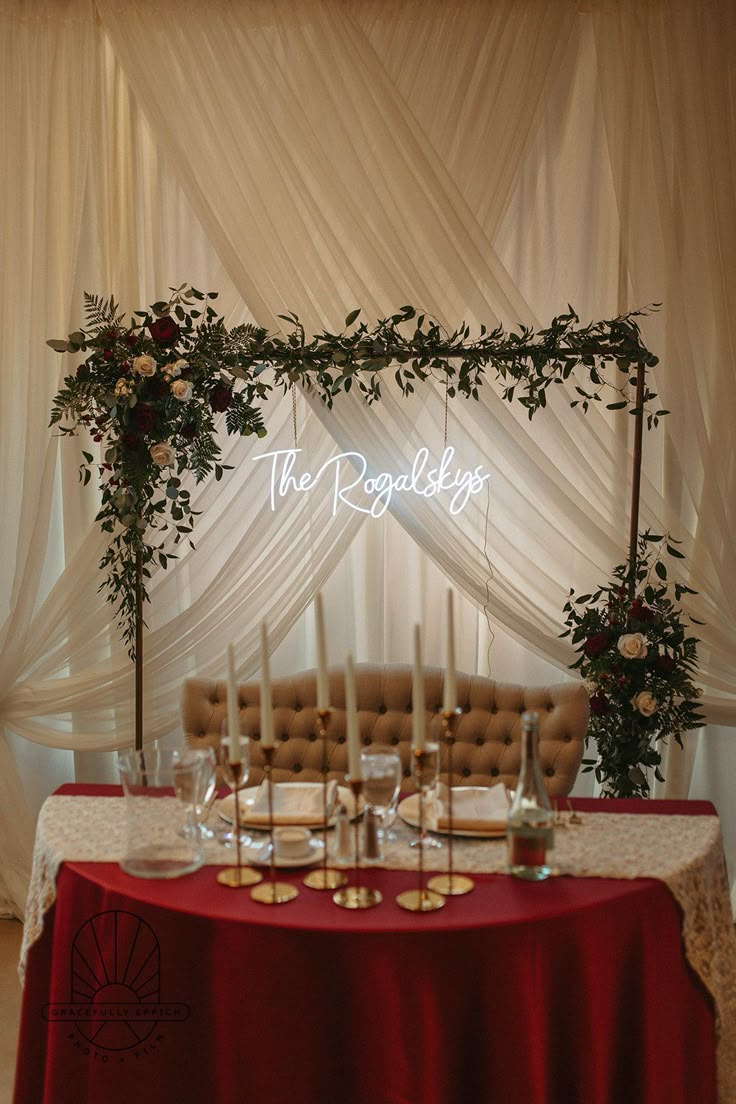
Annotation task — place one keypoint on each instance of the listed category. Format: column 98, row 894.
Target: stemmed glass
column 425, row 769
column 196, row 788
column 381, row 770
column 236, row 778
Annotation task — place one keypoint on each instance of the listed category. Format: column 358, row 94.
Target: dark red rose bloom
column 101, row 420
column 111, row 335
column 220, row 398
column 664, row 665
column 143, row 417
column 164, row 330
column 131, row 440
column 599, row 704
column 131, row 339
column 155, row 388
column 596, row 644
column 189, row 431
column 107, row 354
column 641, row 612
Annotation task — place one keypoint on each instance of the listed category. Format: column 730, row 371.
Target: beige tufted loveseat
column 488, row 747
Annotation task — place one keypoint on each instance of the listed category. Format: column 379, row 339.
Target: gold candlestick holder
column 357, row 896
column 272, row 892
column 238, row 876
column 450, row 884
column 325, row 877
column 421, row 899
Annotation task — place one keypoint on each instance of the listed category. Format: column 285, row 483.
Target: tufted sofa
column 488, row 747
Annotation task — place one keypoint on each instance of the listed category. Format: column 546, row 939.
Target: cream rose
column 645, row 703
column 162, row 454
column 144, row 365
column 632, row 646
column 181, row 390
column 177, row 368
column 121, row 388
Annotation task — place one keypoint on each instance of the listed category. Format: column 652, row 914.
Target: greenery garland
column 150, row 392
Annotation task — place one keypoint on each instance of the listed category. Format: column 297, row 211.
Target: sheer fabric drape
column 485, row 161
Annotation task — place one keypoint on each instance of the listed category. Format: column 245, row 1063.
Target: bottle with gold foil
column 530, row 826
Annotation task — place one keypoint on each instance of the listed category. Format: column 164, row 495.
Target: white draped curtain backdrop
column 483, row 161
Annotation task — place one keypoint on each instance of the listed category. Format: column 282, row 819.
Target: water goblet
column 425, row 769
column 196, row 788
column 234, row 768
column 381, row 770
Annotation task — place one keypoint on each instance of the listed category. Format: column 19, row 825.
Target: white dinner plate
column 260, row 856
column 226, row 808
column 409, row 812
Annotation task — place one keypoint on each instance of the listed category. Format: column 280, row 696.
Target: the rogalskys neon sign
column 348, row 470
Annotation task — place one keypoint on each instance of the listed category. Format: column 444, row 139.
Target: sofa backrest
column 488, row 733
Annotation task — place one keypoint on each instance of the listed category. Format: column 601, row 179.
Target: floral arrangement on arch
column 638, row 662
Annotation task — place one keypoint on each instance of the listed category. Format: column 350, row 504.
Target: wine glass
column 195, row 780
column 425, row 769
column 381, row 771
column 234, row 766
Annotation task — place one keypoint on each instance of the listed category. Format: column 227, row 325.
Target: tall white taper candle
column 266, row 703
column 353, row 731
column 233, row 726
column 323, row 685
column 418, row 718
column 450, row 699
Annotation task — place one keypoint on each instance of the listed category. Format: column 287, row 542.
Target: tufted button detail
column 437, row 708
column 479, row 741
column 284, row 736
column 550, row 707
column 550, row 772
column 256, row 735
column 494, row 772
column 202, row 735
column 382, row 708
column 394, row 740
column 466, row 772
column 312, row 737
column 367, row 741
column 407, row 773
column 298, row 707
column 494, row 709
column 408, row 708
column 567, row 737
column 466, row 707
column 297, row 768
column 508, row 741
column 341, row 739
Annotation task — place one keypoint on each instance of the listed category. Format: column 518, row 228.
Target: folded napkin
column 293, row 803
column 474, row 808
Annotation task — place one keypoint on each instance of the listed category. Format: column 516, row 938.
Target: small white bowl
column 292, row 842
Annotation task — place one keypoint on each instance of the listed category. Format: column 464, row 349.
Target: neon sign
column 348, row 472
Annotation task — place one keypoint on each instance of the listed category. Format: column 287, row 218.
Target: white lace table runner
column 685, row 852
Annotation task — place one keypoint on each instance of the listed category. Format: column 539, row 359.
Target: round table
column 570, row 990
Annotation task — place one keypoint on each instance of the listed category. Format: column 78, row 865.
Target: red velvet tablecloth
column 570, row 991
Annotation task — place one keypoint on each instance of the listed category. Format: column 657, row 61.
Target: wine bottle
column 530, row 825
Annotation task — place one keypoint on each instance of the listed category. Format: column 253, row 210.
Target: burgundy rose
column 164, row 330
column 220, row 398
column 596, row 644
column 189, row 431
column 664, row 665
column 107, row 354
column 599, row 704
column 111, row 336
column 641, row 612
column 130, row 440
column 131, row 340
column 143, row 417
column 155, row 387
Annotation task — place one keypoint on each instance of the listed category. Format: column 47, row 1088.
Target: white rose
column 645, row 703
column 162, row 454
column 121, row 388
column 177, row 368
column 632, row 646
column 181, row 390
column 144, row 365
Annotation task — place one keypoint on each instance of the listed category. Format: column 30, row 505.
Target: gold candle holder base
column 274, row 893
column 357, row 897
column 420, row 900
column 238, row 877
column 454, row 885
column 325, row 879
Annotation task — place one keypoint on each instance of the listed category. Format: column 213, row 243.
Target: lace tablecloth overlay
column 685, row 852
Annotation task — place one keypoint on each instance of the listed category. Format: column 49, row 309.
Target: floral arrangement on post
column 149, row 392
column 639, row 664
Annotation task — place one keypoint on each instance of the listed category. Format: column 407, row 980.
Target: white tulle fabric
column 482, row 161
